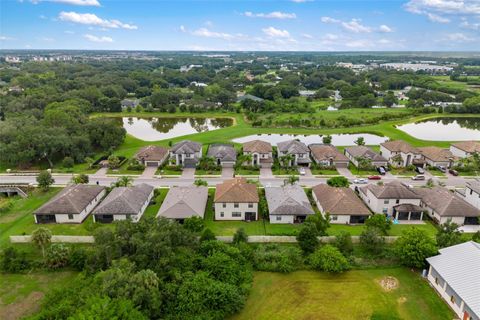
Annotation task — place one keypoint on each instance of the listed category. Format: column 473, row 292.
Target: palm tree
column 123, row 181
column 42, row 237
column 286, row 160
column 290, row 180
column 360, row 141
column 363, row 163
column 246, row 158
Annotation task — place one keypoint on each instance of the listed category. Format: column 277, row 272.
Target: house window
column 278, row 218
column 222, row 214
column 386, row 201
column 235, row 204
column 250, row 205
column 236, row 214
column 224, row 205
column 397, row 201
column 334, row 218
column 452, row 299
column 70, row 216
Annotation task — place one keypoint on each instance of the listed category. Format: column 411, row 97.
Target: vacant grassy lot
column 353, row 295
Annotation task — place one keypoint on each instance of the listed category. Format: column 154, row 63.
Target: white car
column 301, row 171
column 360, row 181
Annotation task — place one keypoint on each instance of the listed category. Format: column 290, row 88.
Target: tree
column 45, row 180
column 363, row 163
column 194, row 224
column 328, row 258
column 291, row 180
column 327, row 139
column 42, row 237
column 207, row 235
column 13, row 260
column 57, row 256
column 307, row 238
column 68, row 162
column 123, row 181
column 380, row 222
column 414, row 246
column 286, row 160
column 101, row 307
column 113, row 162
column 360, row 141
column 321, row 223
column 339, row 181
column 80, row 179
column 343, row 241
column 476, row 236
column 371, row 241
column 448, row 234
column 200, row 182
column 240, row 236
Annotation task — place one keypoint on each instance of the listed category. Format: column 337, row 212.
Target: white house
column 435, row 156
column 472, row 193
column 186, row 153
column 465, row 149
column 287, row 204
column 235, row 199
column 399, row 153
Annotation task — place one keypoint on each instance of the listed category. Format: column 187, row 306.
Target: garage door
column 151, row 163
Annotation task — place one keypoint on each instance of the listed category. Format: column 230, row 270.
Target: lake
column 153, row 129
column 337, row 139
column 444, row 129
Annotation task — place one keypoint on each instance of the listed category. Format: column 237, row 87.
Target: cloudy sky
column 316, row 25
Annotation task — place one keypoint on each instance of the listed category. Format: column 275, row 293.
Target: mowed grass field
column 354, row 295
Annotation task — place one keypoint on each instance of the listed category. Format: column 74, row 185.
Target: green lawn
column 168, row 171
column 403, row 172
column 284, row 171
column 361, row 172
column 352, row 295
column 152, row 209
column 247, row 171
column 324, row 172
column 200, row 172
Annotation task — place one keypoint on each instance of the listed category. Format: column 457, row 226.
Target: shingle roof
column 458, row 266
column 152, row 153
column 186, row 146
column 436, row 153
column 408, row 207
column 468, row 146
column 184, row 202
column 340, row 201
column 292, row 147
column 257, row 146
column 399, row 146
column 125, row 200
column 225, row 152
column 446, row 203
column 236, row 190
column 391, row 190
column 288, row 200
column 326, row 152
column 365, row 152
column 474, row 185
column 72, row 199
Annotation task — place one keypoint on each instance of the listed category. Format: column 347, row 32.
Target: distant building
column 249, row 97
column 472, row 193
column 129, row 103
column 416, row 67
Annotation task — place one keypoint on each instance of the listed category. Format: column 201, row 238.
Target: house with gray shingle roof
column 472, row 193
column 225, row 155
column 184, row 202
column 71, row 205
column 288, row 204
column 124, row 203
column 261, row 152
column 186, row 153
column 299, row 151
column 355, row 152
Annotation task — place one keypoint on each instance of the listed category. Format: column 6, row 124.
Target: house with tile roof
column 465, row 149
column 356, row 152
column 288, row 204
column 297, row 149
column 186, row 153
column 225, row 155
column 400, row 153
column 184, row 202
column 152, row 156
column 236, row 199
column 328, row 155
column 435, row 156
column 261, row 152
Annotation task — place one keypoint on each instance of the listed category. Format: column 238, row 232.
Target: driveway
column 308, row 173
column 266, row 173
column 345, row 172
column 102, row 172
column 149, row 172
column 227, row 173
column 188, row 173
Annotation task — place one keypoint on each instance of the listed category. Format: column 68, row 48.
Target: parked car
column 453, row 172
column 301, row 171
column 442, row 168
column 420, row 170
column 381, row 170
column 374, row 178
column 360, row 181
column 418, row 177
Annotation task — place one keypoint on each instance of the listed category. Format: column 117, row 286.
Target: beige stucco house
column 236, row 199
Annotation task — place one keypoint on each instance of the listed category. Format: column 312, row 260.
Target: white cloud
column 206, row 33
column 329, row 20
column 384, row 28
column 93, row 3
column 384, row 41
column 271, row 15
column 46, row 39
column 93, row 38
column 353, row 25
column 358, row 44
column 68, row 32
column 93, row 20
column 330, row 36
column 307, row 36
column 467, row 25
column 458, row 37
column 182, row 28
column 276, row 33
column 436, row 18
column 444, row 6
column 5, row 38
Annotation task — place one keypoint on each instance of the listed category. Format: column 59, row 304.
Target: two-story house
column 298, row 150
column 400, row 153
column 472, row 193
column 260, row 151
column 236, row 199
column 186, row 153
column 356, row 152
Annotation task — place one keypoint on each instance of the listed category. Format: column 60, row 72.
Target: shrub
column 207, row 235
column 80, row 178
column 68, row 162
column 45, row 180
column 371, row 241
column 14, row 261
column 344, row 243
column 194, row 224
column 476, row 236
column 339, row 181
column 380, row 222
column 134, row 165
column 307, row 237
column 414, row 246
column 57, row 256
column 240, row 236
column 328, row 258
column 78, row 258
column 276, row 258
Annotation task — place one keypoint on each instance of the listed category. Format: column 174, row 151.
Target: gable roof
column 391, row 190
column 125, row 200
column 399, row 146
column 340, row 201
column 292, row 147
column 152, row 153
column 186, row 146
column 184, row 202
column 365, row 152
column 436, row 153
column 257, row 146
column 474, row 185
column 72, row 199
column 288, row 200
column 326, row 152
column 225, row 152
column 446, row 203
column 458, row 266
column 467, row 146
column 236, row 190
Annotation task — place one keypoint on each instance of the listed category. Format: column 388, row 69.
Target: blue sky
column 319, row 25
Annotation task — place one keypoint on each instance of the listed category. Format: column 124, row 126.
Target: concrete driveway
column 266, row 173
column 102, row 172
column 345, row 172
column 149, row 172
column 227, row 172
column 188, row 173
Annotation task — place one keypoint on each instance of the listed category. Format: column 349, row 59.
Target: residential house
column 356, row 152
column 225, row 155
column 287, row 204
column 342, row 204
column 235, row 199
column 465, row 149
column 71, row 205
column 184, row 202
column 152, row 156
column 393, row 199
column 442, row 205
column 435, row 156
column 260, row 151
column 124, row 203
column 186, row 153
column 472, row 193
column 249, row 97
column 298, row 150
column 400, row 153
column 328, row 155
column 455, row 275
column 129, row 103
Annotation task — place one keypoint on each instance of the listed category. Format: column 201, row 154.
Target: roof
column 365, row 152
column 399, row 146
column 125, row 200
column 288, row 200
column 327, row 152
column 467, row 146
column 152, row 153
column 474, row 185
column 130, row 102
column 225, row 152
column 186, row 146
column 391, row 190
column 184, row 202
column 340, row 201
column 236, row 190
column 72, row 199
column 292, row 147
column 407, row 207
column 257, row 146
column 249, row 97
column 446, row 203
column 436, row 154
column 458, row 266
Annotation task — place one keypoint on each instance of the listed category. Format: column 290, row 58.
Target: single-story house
column 465, row 149
column 435, row 156
column 328, row 155
column 393, row 199
column 129, row 103
column 124, row 203
column 236, row 199
column 225, row 155
column 287, row 204
column 442, row 205
column 355, row 152
column 400, row 153
column 184, row 202
column 342, row 204
column 261, row 152
column 472, row 193
column 71, row 205
column 455, row 275
column 152, row 156
column 186, row 153
column 299, row 151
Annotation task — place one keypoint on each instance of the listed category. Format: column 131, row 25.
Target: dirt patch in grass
column 388, row 283
column 402, row 300
column 24, row 307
